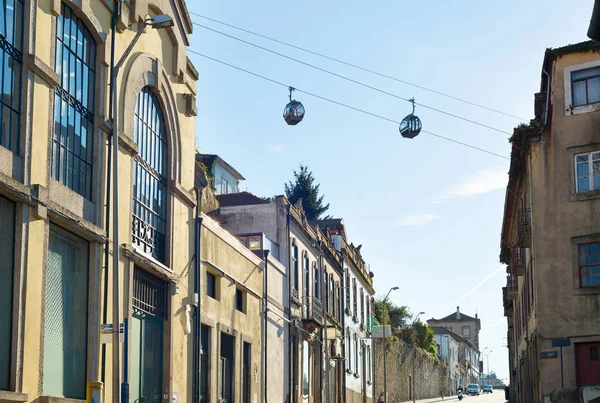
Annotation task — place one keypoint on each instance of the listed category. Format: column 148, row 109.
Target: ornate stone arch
column 146, row 70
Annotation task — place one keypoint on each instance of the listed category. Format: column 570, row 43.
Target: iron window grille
column 589, row 264
column 11, row 69
column 149, row 220
column 149, row 294
column 525, row 226
column 73, row 142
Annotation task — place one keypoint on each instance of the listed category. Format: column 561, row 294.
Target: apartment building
column 550, row 235
column 55, row 210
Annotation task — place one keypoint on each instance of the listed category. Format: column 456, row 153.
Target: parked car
column 488, row 389
column 473, row 389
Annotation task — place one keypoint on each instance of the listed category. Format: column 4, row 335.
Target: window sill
column 583, row 196
column 296, row 301
column 12, row 397
column 587, row 290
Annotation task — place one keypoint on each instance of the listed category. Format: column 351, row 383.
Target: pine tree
column 303, row 187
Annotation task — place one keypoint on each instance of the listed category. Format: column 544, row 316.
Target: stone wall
column 430, row 372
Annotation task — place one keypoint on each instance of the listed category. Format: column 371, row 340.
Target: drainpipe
column 197, row 332
column 291, row 389
column 325, row 295
column 108, row 179
column 265, row 333
column 343, row 302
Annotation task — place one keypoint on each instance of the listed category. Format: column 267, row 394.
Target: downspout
column 108, row 183
column 325, row 297
column 291, row 389
column 197, row 332
column 265, row 323
column 343, row 302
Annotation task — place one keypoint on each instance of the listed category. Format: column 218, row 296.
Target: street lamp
column 413, row 360
column 487, row 358
column 157, row 22
column 385, row 348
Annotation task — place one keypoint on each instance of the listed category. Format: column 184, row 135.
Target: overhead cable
column 355, row 66
column 342, row 104
column 351, row 79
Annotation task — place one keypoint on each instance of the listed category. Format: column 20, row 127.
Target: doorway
column 587, row 361
column 147, row 328
column 227, row 368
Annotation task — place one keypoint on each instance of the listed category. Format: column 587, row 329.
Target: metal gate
column 149, row 313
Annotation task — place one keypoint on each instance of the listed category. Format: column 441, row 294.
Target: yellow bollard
column 94, row 392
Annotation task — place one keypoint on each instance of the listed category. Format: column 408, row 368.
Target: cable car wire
column 355, row 66
column 354, row 108
column 350, row 79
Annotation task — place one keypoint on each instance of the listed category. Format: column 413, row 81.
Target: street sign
column 382, row 332
column 549, row 354
column 561, row 342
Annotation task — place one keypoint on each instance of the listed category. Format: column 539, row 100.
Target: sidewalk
column 435, row 399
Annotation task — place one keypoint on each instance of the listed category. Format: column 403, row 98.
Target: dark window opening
column 211, row 285
column 594, row 353
column 227, row 375
column 205, row 364
column 240, row 297
column 246, row 377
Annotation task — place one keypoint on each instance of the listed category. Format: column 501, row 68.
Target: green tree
column 424, row 336
column 303, row 187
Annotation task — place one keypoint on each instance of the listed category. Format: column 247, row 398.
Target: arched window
column 73, row 145
column 11, row 61
column 149, row 221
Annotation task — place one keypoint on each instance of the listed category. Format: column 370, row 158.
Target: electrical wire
column 350, row 79
column 355, row 66
column 354, row 108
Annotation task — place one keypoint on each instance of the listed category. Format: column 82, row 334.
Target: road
column 496, row 397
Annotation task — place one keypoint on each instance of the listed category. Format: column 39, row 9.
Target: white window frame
column 576, row 110
column 225, row 183
column 590, row 171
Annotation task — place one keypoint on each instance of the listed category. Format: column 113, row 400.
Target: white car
column 488, row 389
column 473, row 389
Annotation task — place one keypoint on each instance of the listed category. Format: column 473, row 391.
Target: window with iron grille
column 149, row 294
column 11, row 66
column 73, row 142
column 149, row 221
column 589, row 264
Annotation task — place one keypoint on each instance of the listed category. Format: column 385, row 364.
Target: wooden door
column 587, row 362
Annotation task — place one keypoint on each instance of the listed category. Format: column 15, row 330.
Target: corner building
column 55, row 211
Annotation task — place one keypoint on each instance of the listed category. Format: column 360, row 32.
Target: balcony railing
column 294, row 293
column 312, row 311
column 512, row 287
column 518, row 261
column 525, row 227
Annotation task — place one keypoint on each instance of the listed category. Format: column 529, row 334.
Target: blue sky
column 428, row 212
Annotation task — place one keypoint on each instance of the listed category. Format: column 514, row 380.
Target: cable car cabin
column 293, row 113
column 411, row 126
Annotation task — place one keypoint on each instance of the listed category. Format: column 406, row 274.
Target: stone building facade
column 54, row 170
column 549, row 239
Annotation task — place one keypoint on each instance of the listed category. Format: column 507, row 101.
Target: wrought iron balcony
column 294, row 293
column 512, row 287
column 525, row 227
column 508, row 303
column 312, row 312
column 518, row 261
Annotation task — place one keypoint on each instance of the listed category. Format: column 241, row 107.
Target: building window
column 348, row 349
column 305, row 370
column 11, row 62
column 466, row 332
column 326, row 290
column 587, row 169
column 211, row 285
column 589, row 264
column 368, row 314
column 306, row 274
column 317, row 279
column 73, row 143
column 355, row 354
column 340, row 300
column 594, row 353
column 7, row 252
column 331, row 296
column 65, row 320
column 355, row 300
column 362, row 306
column 149, row 226
column 586, row 86
column 240, row 300
column 296, row 275
column 369, row 364
column 224, row 186
column 347, row 286
column 205, row 357
column 246, row 373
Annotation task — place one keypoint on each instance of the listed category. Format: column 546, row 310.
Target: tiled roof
column 239, row 199
column 331, row 223
column 585, row 46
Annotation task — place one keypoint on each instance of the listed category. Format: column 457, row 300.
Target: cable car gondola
column 294, row 111
column 411, row 126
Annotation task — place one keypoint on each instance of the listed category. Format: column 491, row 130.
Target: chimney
column 458, row 313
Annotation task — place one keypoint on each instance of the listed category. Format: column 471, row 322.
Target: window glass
column 587, row 73
column 579, row 93
column 254, row 242
column 582, row 171
column 11, row 61
column 593, row 90
column 589, row 264
column 73, row 144
column 305, row 369
column 239, row 300
column 149, row 227
column 211, row 285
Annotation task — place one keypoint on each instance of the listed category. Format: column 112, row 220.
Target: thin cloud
column 276, row 148
column 480, row 182
column 472, row 290
column 416, row 220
